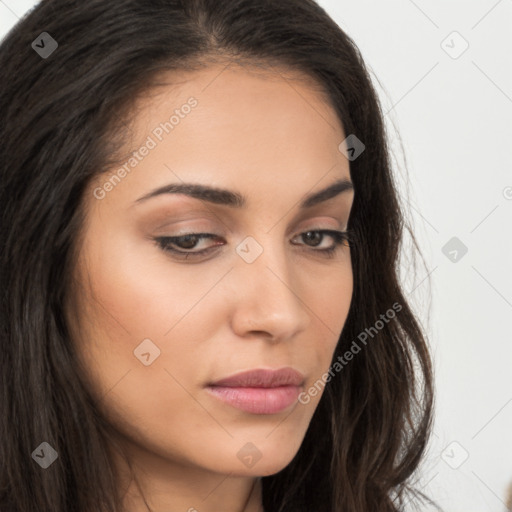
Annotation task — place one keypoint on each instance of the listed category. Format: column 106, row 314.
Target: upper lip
column 263, row 378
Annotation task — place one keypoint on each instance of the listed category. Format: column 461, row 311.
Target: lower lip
column 257, row 400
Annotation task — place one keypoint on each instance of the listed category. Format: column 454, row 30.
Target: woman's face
column 156, row 328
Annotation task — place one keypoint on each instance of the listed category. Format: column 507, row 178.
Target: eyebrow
column 236, row 200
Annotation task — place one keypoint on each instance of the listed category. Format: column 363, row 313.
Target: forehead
column 231, row 97
column 247, row 126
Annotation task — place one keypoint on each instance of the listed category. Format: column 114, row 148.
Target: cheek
column 140, row 289
column 328, row 293
column 329, row 307
column 133, row 297
column 134, row 293
column 337, row 296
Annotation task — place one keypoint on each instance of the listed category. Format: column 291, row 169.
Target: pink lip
column 259, row 391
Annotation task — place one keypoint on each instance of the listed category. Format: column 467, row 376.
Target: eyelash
column 164, row 243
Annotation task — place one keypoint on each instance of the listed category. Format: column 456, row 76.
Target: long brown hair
column 62, row 118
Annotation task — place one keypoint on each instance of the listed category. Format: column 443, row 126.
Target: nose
column 267, row 297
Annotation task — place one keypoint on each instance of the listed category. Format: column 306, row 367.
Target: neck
column 160, row 485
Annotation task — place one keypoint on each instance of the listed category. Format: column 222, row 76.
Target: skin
column 274, row 138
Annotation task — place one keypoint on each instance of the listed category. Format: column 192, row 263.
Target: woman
column 199, row 264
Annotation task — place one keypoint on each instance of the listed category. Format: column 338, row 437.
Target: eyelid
column 340, row 237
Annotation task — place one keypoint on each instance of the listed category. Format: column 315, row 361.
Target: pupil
column 189, row 242
column 312, row 235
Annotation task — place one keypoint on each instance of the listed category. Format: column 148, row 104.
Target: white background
column 453, row 114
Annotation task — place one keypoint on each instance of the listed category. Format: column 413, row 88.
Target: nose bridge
column 266, row 299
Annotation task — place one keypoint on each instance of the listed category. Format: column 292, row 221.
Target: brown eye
column 315, row 236
column 185, row 243
column 181, row 246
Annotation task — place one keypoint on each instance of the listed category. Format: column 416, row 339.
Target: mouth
column 259, row 391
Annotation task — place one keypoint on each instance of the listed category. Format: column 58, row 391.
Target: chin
column 267, row 459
